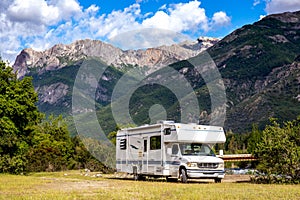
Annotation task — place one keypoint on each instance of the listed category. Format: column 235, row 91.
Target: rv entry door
column 145, row 155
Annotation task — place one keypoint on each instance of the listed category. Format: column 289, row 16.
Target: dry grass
column 75, row 185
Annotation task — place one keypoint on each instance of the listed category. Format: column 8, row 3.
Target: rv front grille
column 208, row 165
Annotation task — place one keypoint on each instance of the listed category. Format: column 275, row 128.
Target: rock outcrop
column 62, row 55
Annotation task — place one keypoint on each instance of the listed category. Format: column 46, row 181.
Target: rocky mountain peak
column 61, row 55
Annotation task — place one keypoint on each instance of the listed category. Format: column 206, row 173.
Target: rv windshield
column 196, row 149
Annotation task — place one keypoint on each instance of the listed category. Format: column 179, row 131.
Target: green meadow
column 79, row 185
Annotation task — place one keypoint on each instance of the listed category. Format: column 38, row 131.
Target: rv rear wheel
column 183, row 176
column 218, row 180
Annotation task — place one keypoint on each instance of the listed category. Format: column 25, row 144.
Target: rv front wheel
column 183, row 176
column 138, row 177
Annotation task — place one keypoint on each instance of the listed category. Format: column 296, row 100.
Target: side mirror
column 221, row 153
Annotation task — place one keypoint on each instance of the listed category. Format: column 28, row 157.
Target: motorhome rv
column 171, row 150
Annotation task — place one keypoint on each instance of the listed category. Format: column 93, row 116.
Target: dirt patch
column 236, row 178
column 67, row 184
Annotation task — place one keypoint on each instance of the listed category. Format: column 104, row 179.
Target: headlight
column 221, row 165
column 192, row 164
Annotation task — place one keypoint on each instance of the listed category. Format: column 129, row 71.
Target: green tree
column 18, row 115
column 254, row 138
column 279, row 149
column 112, row 136
column 83, row 158
column 29, row 141
column 51, row 146
column 235, row 143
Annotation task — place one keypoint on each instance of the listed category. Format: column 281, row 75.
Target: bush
column 278, row 152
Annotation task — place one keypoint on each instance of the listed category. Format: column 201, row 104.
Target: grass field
column 75, row 185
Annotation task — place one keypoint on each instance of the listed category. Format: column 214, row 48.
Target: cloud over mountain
column 40, row 24
column 41, row 12
column 278, row 6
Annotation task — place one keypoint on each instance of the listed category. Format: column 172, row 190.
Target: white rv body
column 172, row 150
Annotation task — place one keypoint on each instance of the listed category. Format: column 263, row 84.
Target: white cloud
column 147, row 37
column 119, row 21
column 68, row 8
column 4, row 4
column 256, row 2
column 40, row 24
column 278, row 6
column 159, row 20
column 25, row 22
column 220, row 19
column 179, row 17
column 41, row 12
column 36, row 12
column 163, row 7
column 261, row 17
column 93, row 9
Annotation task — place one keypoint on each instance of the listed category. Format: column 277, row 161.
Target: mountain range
column 259, row 65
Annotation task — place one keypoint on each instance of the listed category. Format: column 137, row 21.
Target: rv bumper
column 193, row 173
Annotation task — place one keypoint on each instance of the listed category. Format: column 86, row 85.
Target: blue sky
column 39, row 24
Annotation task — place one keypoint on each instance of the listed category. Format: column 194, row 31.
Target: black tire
column 142, row 178
column 218, row 180
column 183, row 176
column 169, row 179
column 138, row 177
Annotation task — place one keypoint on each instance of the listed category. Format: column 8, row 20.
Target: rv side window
column 145, row 145
column 155, row 142
column 123, row 143
column 167, row 131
